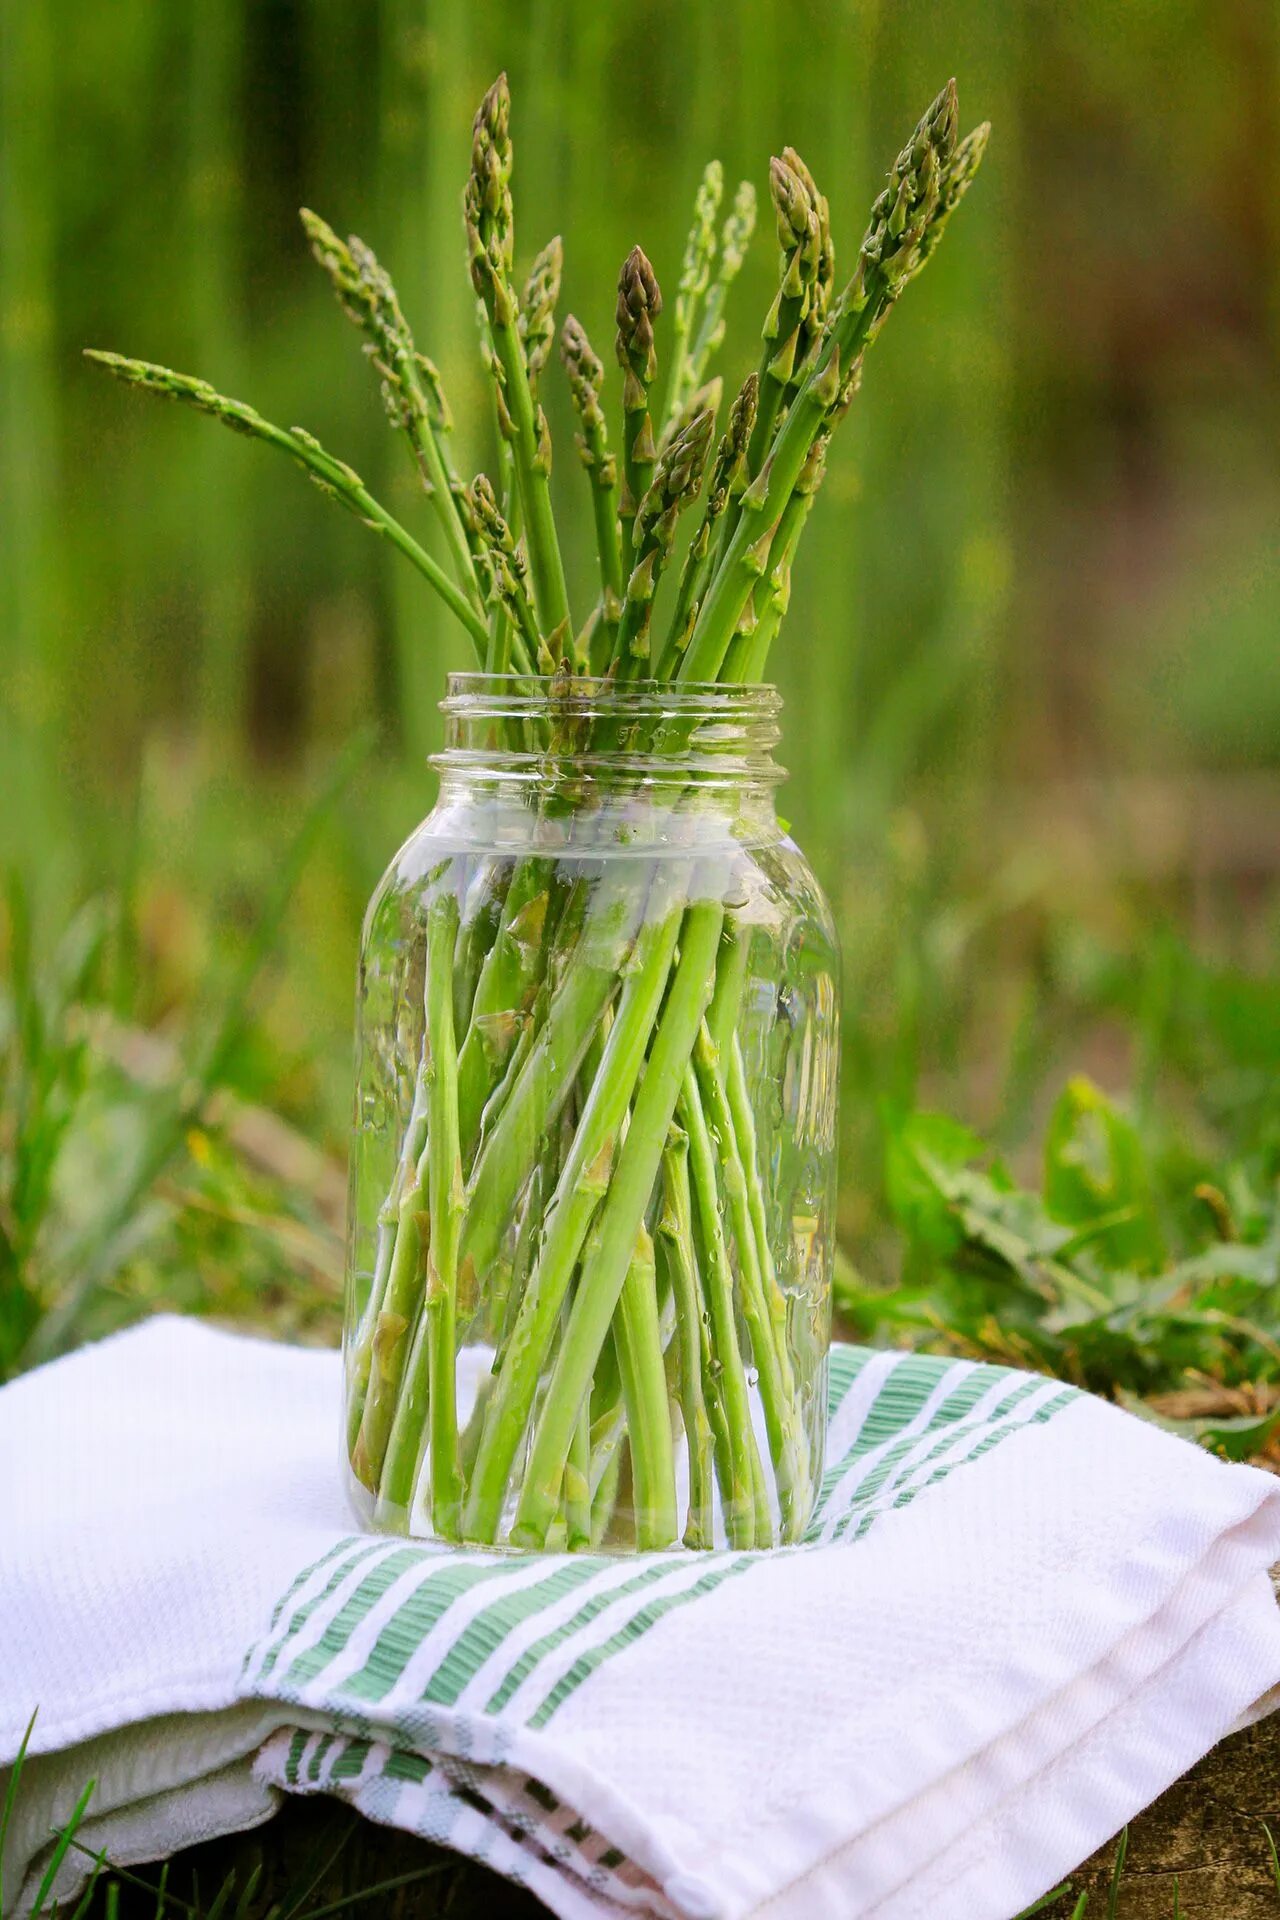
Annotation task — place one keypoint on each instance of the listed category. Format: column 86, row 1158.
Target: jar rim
column 515, row 696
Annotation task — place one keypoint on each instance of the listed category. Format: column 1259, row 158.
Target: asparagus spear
column 586, row 375
column 639, row 304
column 444, row 1165
column 695, row 276
column 822, row 290
column 391, row 1337
column 676, row 1243
column 577, row 1486
column 410, row 384
column 538, row 304
column 703, row 399
column 537, row 328
column 509, row 979
column 381, row 1323
column 583, row 1185
column 507, row 584
column 728, row 477
column 644, row 1393
column 889, row 257
column 735, row 237
column 749, row 649
column 677, row 478
column 743, row 1494
column 546, row 1080
column 614, row 1233
column 489, row 228
column 795, row 203
column 768, row 1342
column 333, row 477
column 957, row 178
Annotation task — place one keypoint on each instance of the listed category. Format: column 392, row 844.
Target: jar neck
column 582, row 742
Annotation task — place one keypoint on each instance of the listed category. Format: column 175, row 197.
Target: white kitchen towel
column 1019, row 1615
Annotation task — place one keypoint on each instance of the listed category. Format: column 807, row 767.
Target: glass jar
column 592, row 1177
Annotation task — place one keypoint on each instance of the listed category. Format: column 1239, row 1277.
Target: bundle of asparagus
column 579, row 1191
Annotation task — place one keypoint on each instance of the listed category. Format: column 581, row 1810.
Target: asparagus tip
column 639, row 304
column 493, row 115
column 975, row 143
column 943, row 117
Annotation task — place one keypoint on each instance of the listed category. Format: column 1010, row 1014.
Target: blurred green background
column 1031, row 665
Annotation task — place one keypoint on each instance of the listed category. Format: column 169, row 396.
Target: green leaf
column 1275, row 1857
column 1095, row 1172
column 66, row 1836
column 1045, row 1900
column 920, row 1155
column 10, row 1796
column 1113, row 1892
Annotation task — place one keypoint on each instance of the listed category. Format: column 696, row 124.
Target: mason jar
column 592, row 1176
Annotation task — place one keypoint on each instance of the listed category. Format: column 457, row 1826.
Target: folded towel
column 1018, row 1616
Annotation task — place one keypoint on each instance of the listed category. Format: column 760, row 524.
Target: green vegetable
column 581, row 1161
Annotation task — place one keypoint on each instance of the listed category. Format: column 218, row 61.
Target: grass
column 92, row 1227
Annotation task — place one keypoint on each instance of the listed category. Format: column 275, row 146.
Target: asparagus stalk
column 822, row 290
column 890, row 256
column 360, row 1358
column 392, row 1334
column 735, row 237
column 507, row 585
column 795, row 203
column 333, row 477
column 744, row 1496
column 577, row 1486
column 644, row 1392
column 583, row 1184
column 505, row 991
column 538, row 303
column 411, row 386
column 695, row 276
column 957, row 177
column 728, row 475
column 613, row 1236
column 744, row 1125
column 676, row 1243
column 749, row 649
column 639, row 304
column 402, row 1454
column 731, row 976
column 586, row 374
column 604, row 1494
column 547, row 1077
column 481, row 923
column 677, row 479
column 768, row 1336
column 489, row 228
column 446, row 1198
